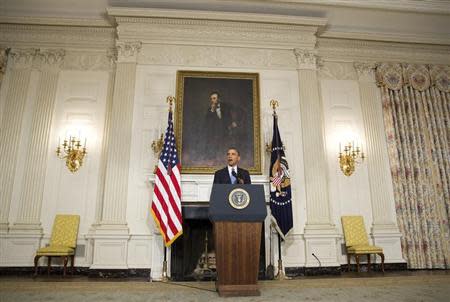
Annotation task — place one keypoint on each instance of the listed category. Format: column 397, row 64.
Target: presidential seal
column 239, row 198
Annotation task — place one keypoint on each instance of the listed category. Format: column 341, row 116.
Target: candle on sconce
column 340, row 147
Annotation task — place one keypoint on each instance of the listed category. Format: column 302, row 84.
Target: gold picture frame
column 206, row 128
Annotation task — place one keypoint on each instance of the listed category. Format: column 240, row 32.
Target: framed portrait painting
column 216, row 111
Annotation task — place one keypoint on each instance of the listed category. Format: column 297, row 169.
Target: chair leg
column 348, row 262
column 36, row 260
column 368, row 262
column 66, row 259
column 382, row 261
column 72, row 260
column 357, row 262
column 49, row 264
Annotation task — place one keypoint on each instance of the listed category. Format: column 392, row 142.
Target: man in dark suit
column 232, row 174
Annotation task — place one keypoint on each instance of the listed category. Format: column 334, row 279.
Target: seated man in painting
column 220, row 125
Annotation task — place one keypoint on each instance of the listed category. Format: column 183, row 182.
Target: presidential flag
column 280, row 185
column 166, row 203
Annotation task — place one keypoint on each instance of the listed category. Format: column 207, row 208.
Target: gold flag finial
column 170, row 100
column 274, row 104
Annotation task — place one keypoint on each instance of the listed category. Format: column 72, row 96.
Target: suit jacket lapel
column 229, row 177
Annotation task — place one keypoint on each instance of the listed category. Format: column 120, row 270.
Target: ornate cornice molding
column 197, row 15
column 56, row 21
column 89, row 60
column 337, row 71
column 127, row 51
column 372, row 51
column 365, row 71
column 429, row 6
column 306, row 59
column 215, row 28
column 51, row 56
column 26, row 35
column 217, row 56
column 346, row 33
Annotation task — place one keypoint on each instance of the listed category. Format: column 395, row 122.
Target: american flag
column 166, row 205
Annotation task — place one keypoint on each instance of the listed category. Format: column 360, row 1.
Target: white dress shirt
column 231, row 168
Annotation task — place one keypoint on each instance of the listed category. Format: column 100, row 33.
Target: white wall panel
column 349, row 195
column 80, row 110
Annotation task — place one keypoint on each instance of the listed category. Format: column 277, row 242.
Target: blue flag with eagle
column 280, row 184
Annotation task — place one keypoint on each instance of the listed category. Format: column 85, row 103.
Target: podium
column 237, row 213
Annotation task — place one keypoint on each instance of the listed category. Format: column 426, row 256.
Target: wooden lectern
column 237, row 213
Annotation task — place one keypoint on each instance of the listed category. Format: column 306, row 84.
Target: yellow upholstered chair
column 62, row 242
column 357, row 243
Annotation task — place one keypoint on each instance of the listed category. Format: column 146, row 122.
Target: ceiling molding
column 431, row 38
column 375, row 51
column 215, row 15
column 155, row 26
column 417, row 6
column 74, row 37
column 59, row 21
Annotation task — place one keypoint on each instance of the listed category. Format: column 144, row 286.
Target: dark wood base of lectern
column 237, row 257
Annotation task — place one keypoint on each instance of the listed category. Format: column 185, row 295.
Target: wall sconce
column 73, row 152
column 157, row 145
column 351, row 156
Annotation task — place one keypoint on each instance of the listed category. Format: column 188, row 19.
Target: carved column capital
column 306, row 59
column 112, row 55
column 51, row 59
column 22, row 58
column 127, row 51
column 365, row 71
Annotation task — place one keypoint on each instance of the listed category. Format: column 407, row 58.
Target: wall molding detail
column 349, row 50
column 216, row 28
column 29, row 35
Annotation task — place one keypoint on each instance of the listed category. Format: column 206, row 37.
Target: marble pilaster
column 18, row 73
column 111, row 235
column 320, row 233
column 28, row 218
column 384, row 227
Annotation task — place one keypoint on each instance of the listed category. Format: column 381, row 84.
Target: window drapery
column 416, row 112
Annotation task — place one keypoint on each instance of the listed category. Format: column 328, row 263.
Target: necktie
column 233, row 176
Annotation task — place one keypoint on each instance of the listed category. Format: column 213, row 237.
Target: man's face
column 233, row 157
column 214, row 98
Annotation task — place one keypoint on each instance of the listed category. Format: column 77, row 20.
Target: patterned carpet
column 409, row 287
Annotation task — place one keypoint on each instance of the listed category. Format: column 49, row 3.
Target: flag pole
column 164, row 270
column 280, row 275
column 270, row 270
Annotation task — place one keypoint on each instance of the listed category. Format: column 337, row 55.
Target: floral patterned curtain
column 416, row 111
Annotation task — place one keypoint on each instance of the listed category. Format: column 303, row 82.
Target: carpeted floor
column 386, row 288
